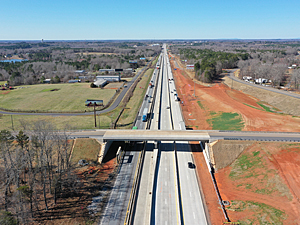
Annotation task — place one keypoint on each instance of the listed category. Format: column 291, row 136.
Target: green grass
column 68, row 97
column 266, row 108
column 251, row 106
column 200, row 104
column 245, row 165
column 226, row 121
column 3, row 82
column 155, row 61
column 85, row 148
column 261, row 213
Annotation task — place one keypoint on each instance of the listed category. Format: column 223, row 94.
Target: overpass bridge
column 184, row 135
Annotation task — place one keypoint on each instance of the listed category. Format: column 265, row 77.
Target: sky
column 139, row 20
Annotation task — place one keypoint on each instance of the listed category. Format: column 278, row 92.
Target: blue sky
column 116, row 19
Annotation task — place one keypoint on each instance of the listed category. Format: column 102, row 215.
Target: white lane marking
column 166, row 222
column 166, row 201
column 121, row 195
column 190, row 194
column 194, row 215
column 166, row 169
column 165, row 183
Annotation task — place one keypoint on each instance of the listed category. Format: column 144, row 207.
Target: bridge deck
column 154, row 135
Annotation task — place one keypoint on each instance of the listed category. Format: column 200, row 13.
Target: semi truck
column 145, row 115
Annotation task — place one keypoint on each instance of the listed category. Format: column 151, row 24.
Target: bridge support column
column 104, row 148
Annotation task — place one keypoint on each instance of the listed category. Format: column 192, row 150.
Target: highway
column 168, row 191
column 117, row 207
column 170, row 194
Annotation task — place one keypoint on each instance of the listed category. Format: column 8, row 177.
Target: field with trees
column 59, row 60
column 53, row 97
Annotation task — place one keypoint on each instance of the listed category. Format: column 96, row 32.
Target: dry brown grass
column 286, row 104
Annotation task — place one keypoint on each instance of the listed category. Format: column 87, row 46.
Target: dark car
column 191, row 165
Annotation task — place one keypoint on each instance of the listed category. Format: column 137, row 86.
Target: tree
column 6, row 140
column 197, row 66
column 296, row 78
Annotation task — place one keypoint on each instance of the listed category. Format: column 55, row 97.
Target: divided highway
column 168, row 191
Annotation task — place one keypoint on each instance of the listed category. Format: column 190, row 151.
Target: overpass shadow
column 111, row 153
column 190, row 147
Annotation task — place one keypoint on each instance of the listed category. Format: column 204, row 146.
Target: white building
column 116, row 78
column 100, row 82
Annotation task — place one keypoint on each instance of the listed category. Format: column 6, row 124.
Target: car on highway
column 168, row 107
column 191, row 165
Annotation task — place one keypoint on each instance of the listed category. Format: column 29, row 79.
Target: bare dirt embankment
column 255, row 177
column 262, row 184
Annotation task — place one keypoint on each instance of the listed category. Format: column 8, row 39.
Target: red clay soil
column 287, row 168
column 220, row 98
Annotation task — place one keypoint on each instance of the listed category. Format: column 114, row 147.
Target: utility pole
column 194, row 89
column 95, row 115
column 12, row 122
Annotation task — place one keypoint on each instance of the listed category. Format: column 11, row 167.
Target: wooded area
column 35, row 171
column 59, row 60
column 257, row 59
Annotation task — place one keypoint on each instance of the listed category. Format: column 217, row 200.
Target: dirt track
column 220, row 98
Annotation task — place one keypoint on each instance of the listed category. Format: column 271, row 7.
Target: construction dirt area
column 262, row 183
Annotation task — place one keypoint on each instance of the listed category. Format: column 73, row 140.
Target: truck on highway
column 145, row 115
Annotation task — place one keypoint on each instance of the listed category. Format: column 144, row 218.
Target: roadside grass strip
column 258, row 213
column 226, row 121
column 128, row 116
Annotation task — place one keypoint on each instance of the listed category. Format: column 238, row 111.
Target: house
column 79, row 71
column 47, row 81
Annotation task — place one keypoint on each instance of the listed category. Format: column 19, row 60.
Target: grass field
column 127, row 118
column 53, row 97
column 226, row 121
column 85, row 148
column 259, row 213
column 3, row 82
column 60, row 122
